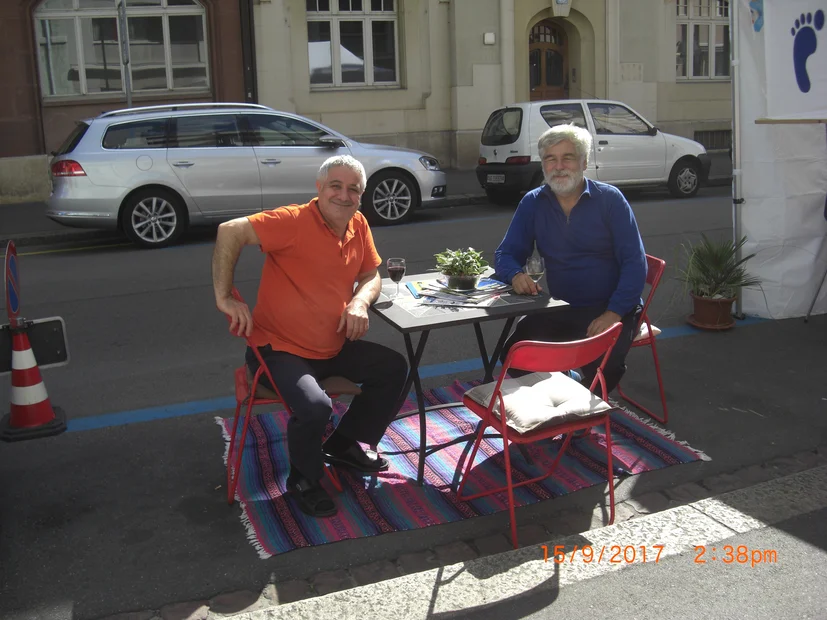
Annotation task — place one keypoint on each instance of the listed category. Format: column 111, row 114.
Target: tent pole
column 737, row 196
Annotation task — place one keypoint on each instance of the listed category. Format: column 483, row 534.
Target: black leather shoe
column 358, row 459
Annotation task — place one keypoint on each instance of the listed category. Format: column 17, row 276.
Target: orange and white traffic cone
column 32, row 415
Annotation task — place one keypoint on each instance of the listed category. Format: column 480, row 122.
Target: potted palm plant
column 462, row 268
column 713, row 275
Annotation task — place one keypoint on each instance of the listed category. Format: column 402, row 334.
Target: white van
column 627, row 150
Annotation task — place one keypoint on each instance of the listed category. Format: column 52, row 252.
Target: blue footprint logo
column 804, row 45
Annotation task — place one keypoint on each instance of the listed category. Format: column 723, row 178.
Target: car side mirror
column 331, row 142
column 653, row 131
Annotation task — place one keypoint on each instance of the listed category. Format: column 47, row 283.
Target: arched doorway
column 548, row 66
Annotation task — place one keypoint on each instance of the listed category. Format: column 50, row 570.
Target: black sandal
column 312, row 499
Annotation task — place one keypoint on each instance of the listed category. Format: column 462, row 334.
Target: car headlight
column 430, row 163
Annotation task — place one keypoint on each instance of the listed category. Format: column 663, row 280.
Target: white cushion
column 644, row 331
column 540, row 399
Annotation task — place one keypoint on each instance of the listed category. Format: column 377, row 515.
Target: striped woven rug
column 392, row 501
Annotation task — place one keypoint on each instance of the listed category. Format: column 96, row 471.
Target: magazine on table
column 487, row 289
column 458, row 303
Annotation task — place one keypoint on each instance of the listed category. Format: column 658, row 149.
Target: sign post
column 123, row 29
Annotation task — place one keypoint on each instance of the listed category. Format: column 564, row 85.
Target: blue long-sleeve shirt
column 594, row 256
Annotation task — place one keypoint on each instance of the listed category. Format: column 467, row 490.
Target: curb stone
column 77, row 235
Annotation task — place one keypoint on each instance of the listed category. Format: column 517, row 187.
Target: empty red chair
column 646, row 335
column 249, row 391
column 542, row 405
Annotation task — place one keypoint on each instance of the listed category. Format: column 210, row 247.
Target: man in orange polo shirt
column 309, row 320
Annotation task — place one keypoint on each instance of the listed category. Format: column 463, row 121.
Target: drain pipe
column 507, row 51
column 737, row 196
column 248, row 51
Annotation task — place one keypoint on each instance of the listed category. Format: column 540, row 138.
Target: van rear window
column 503, row 127
column 72, row 140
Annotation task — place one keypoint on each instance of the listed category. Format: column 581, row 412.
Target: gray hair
column 344, row 161
column 579, row 137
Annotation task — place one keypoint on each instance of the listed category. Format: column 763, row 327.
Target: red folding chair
column 249, row 391
column 646, row 335
column 573, row 407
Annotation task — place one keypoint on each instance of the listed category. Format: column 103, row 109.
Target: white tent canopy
column 780, row 149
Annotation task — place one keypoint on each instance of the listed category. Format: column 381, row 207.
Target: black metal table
column 407, row 317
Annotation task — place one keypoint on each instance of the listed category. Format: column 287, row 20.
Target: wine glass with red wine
column 396, row 270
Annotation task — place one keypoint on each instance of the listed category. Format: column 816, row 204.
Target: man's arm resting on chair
column 355, row 316
column 232, row 237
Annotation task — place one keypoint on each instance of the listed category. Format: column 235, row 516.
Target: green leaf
column 468, row 262
column 713, row 268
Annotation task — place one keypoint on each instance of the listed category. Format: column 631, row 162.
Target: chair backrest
column 656, row 267
column 535, row 356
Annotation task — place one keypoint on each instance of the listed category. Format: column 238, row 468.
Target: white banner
column 783, row 180
column 795, row 48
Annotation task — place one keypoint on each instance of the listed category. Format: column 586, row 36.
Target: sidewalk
column 671, row 528
column 27, row 225
column 671, row 581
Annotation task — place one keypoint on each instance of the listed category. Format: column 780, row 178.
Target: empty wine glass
column 535, row 267
column 396, row 271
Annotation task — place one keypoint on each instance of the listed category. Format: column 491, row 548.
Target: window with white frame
column 79, row 48
column 702, row 40
column 352, row 43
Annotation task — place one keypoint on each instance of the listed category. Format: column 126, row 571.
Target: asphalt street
column 123, row 513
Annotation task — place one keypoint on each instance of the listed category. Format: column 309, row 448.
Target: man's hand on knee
column 602, row 323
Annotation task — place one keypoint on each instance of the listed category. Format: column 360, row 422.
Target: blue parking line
column 137, row 416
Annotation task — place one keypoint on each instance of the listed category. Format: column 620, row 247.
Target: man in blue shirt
column 588, row 237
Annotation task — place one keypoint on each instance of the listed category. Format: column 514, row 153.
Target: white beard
column 564, row 184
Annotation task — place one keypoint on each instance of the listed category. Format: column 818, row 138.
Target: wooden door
column 548, row 62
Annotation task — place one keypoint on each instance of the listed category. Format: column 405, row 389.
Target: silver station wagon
column 152, row 172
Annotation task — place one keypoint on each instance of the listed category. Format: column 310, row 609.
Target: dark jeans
column 571, row 324
column 380, row 371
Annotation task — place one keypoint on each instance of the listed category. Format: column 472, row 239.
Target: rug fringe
column 251, row 533
column 220, row 421
column 659, row 429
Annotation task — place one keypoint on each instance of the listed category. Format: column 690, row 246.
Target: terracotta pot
column 712, row 313
column 462, row 283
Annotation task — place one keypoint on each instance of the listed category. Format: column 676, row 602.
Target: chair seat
column 643, row 332
column 331, row 385
column 540, row 399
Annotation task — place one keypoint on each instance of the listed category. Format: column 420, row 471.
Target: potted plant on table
column 462, row 268
column 713, row 275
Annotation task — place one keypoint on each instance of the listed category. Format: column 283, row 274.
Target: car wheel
column 153, row 218
column 685, row 179
column 390, row 198
column 503, row 198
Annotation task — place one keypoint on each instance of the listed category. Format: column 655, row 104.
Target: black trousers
column 380, row 370
column 571, row 323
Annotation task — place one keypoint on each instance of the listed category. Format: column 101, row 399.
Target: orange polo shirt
column 307, row 279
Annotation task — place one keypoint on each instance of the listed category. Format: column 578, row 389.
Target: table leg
column 413, row 376
column 490, row 363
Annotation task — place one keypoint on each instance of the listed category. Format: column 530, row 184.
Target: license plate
column 495, row 178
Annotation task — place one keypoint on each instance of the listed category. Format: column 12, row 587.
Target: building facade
column 418, row 73
column 426, row 73
column 63, row 62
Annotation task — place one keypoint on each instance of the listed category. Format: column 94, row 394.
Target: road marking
column 194, row 407
column 88, row 247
